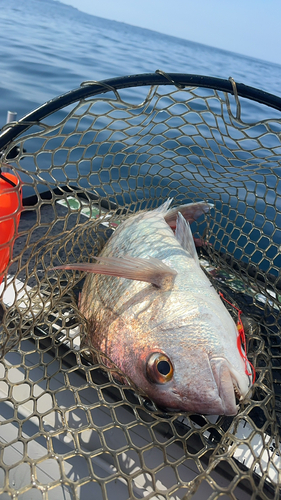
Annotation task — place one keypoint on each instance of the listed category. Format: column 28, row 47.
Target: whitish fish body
column 154, row 312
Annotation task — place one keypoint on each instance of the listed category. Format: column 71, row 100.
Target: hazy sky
column 250, row 27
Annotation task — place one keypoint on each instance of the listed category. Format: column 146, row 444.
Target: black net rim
column 180, row 80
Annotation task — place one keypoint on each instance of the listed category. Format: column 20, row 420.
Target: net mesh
column 71, row 429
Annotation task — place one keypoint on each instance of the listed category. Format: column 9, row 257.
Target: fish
column 153, row 311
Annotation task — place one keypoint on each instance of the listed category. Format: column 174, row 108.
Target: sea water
column 48, row 48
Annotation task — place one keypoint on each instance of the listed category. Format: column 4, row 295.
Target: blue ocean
column 48, row 48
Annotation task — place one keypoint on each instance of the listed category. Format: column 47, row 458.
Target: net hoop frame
column 90, row 89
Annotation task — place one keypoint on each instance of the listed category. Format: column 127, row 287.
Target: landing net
column 87, row 160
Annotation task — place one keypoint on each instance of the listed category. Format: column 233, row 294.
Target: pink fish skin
column 153, row 311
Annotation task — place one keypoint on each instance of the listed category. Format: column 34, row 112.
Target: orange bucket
column 10, row 210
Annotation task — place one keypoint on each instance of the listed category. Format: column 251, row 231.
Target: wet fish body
column 153, row 311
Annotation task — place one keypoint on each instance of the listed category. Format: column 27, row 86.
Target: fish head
column 194, row 383
column 184, row 359
column 185, row 373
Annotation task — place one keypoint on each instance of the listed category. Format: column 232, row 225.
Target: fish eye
column 164, row 367
column 159, row 368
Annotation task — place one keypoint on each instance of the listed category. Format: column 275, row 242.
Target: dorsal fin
column 164, row 207
column 184, row 236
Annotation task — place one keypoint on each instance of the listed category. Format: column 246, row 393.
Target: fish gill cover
column 72, row 424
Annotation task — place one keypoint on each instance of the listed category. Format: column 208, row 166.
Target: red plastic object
column 10, row 210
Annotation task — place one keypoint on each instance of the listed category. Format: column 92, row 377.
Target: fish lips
column 230, row 386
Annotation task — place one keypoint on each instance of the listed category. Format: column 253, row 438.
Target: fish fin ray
column 190, row 211
column 164, row 207
column 184, row 236
column 150, row 270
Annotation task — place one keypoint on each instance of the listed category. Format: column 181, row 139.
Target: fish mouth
column 237, row 393
column 230, row 392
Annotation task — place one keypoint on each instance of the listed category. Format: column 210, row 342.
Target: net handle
column 180, row 80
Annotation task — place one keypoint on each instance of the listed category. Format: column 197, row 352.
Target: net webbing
column 69, row 427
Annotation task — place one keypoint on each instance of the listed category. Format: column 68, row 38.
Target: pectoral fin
column 150, row 270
